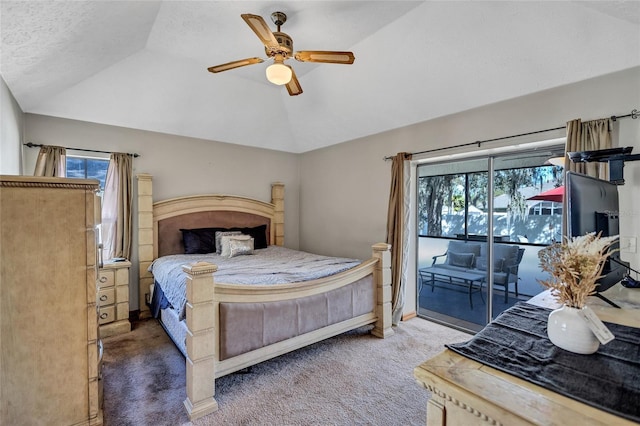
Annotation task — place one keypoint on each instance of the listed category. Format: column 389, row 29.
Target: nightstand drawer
column 113, row 298
column 107, row 296
column 106, row 278
column 106, row 314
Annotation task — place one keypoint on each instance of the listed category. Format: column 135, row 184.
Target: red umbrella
column 556, row 195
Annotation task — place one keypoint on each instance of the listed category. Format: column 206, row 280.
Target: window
column 455, row 205
column 88, row 168
column 455, row 213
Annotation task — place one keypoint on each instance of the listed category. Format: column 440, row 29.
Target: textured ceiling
column 142, row 64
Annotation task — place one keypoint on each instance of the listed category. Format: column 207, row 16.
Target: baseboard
column 408, row 316
column 139, row 315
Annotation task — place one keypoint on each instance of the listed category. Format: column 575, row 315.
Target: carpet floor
column 351, row 379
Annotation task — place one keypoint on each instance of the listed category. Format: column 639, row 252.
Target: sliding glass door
column 481, row 223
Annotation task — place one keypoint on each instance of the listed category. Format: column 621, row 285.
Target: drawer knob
column 103, row 279
column 103, row 315
column 103, row 297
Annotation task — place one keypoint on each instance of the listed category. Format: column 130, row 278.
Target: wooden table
column 466, row 392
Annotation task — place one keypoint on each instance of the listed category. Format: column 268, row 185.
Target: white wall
column 345, row 188
column 180, row 166
column 11, row 124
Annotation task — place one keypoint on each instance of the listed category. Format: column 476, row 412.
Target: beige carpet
column 351, row 379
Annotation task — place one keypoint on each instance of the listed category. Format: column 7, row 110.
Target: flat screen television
column 593, row 207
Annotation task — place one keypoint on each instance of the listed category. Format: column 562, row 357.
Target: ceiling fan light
column 278, row 73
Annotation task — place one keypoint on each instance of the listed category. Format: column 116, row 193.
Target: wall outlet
column 628, row 244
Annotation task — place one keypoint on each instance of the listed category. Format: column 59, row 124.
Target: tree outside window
column 88, row 168
column 456, row 205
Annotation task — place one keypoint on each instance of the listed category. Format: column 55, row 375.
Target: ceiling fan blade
column 293, row 86
column 234, row 64
column 325, row 56
column 261, row 29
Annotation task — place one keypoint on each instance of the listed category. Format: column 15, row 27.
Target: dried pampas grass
column 575, row 266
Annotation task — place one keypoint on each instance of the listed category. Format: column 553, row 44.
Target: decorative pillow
column 224, row 242
column 481, row 264
column 239, row 247
column 220, row 234
column 199, row 241
column 464, row 260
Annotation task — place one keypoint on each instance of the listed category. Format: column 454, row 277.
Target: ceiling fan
column 279, row 47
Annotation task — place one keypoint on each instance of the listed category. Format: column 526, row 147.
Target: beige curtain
column 588, row 136
column 397, row 220
column 116, row 207
column 51, row 161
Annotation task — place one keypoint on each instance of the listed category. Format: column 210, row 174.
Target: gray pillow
column 481, row 264
column 464, row 260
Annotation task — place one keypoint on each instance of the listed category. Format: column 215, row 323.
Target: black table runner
column 516, row 342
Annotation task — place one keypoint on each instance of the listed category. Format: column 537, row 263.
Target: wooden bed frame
column 204, row 297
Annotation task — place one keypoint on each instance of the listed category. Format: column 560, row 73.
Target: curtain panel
column 588, row 136
column 116, row 207
column 397, row 232
column 51, row 161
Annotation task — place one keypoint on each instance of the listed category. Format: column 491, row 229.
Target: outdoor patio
column 448, row 300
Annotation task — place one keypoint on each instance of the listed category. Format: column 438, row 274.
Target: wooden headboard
column 159, row 223
column 205, row 211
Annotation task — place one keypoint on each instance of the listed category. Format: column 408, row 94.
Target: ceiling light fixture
column 278, row 73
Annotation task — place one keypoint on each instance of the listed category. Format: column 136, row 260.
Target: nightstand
column 113, row 298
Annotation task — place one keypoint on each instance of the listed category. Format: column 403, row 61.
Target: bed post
column 200, row 359
column 145, row 240
column 277, row 199
column 382, row 277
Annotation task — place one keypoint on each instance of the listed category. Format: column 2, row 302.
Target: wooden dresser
column 113, row 298
column 466, row 392
column 49, row 344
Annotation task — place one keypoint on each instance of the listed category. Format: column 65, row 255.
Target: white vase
column 569, row 331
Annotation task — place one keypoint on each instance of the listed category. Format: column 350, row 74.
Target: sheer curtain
column 397, row 232
column 51, row 161
column 588, row 136
column 116, row 207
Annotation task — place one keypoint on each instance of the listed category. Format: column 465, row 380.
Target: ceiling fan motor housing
column 285, row 42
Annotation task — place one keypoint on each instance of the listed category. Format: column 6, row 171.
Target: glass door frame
column 549, row 148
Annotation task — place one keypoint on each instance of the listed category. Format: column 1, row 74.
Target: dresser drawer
column 106, row 314
column 107, row 296
column 106, row 278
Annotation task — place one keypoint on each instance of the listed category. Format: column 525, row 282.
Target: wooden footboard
column 203, row 319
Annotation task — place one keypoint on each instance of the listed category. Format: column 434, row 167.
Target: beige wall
column 11, row 123
column 338, row 205
column 179, row 165
column 344, row 188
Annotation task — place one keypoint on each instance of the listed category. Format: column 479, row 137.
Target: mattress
column 272, row 265
column 175, row 328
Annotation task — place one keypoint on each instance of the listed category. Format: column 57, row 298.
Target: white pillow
column 219, row 235
column 225, row 241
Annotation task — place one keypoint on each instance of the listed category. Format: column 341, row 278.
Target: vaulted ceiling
column 143, row 64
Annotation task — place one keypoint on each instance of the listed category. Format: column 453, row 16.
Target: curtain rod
column 634, row 114
column 38, row 145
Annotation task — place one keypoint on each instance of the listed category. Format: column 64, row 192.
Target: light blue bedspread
column 272, row 265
